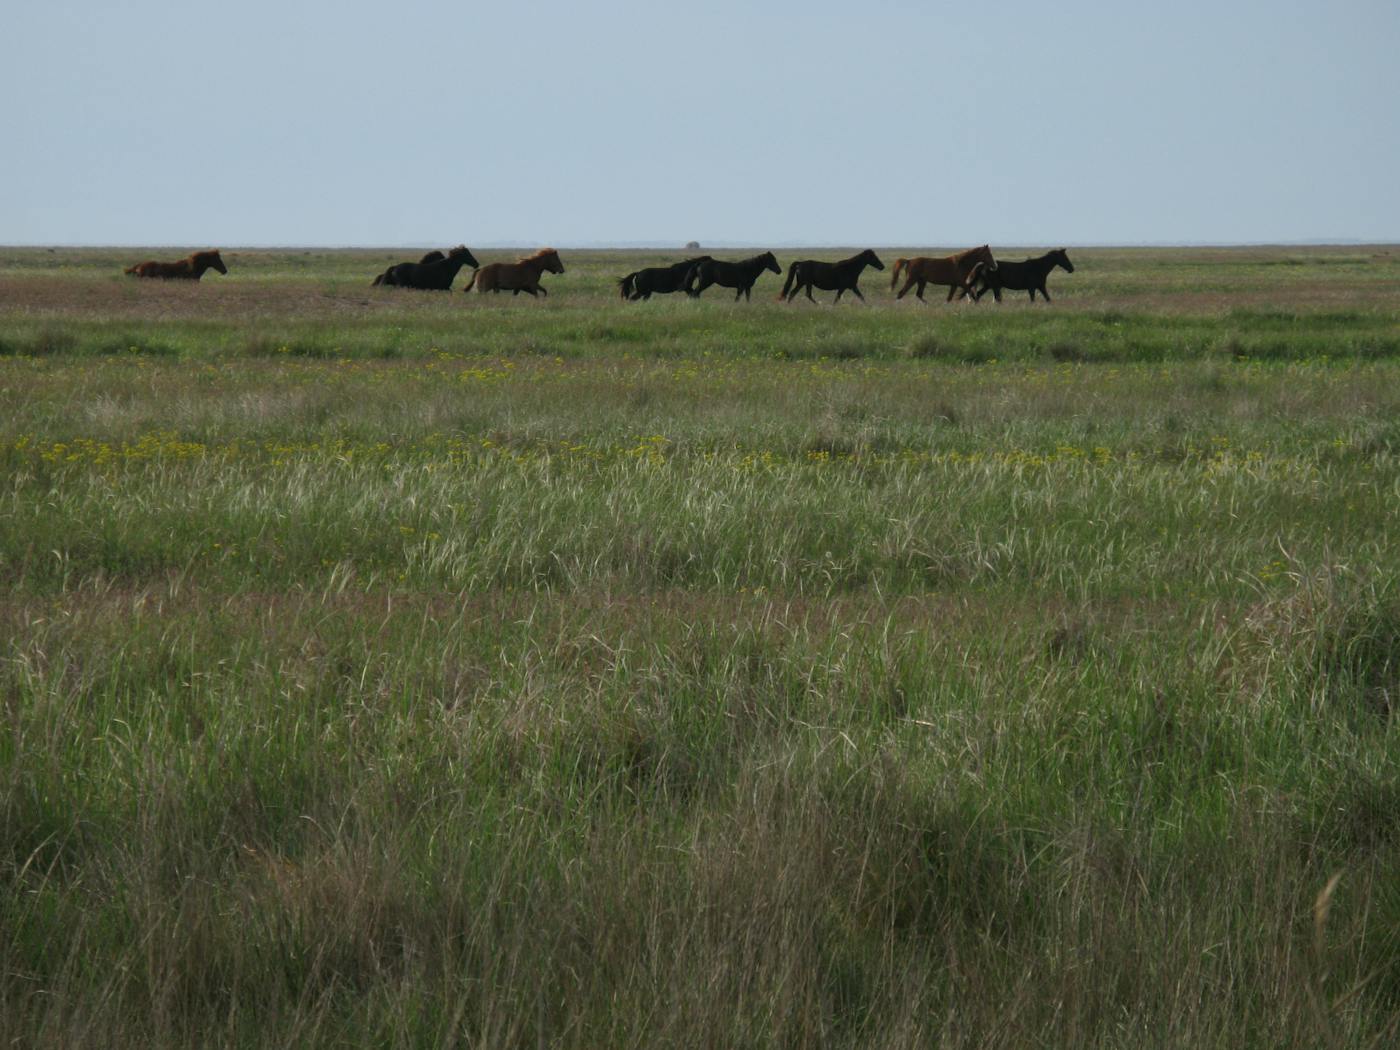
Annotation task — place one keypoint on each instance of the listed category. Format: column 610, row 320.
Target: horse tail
column 377, row 281
column 899, row 264
column 791, row 280
column 624, row 285
column 476, row 274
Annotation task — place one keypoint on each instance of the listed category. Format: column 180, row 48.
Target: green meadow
column 385, row 668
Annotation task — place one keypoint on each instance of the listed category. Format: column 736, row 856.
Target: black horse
column 435, row 273
column 432, row 256
column 842, row 276
column 1026, row 276
column 659, row 280
column 737, row 275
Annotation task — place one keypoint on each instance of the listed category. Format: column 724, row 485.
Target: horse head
column 213, row 260
column 549, row 258
column 872, row 259
column 1059, row 258
column 462, row 253
column 770, row 262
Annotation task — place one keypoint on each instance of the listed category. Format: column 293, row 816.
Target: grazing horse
column 804, row 274
column 953, row 270
column 1026, row 276
column 434, row 276
column 737, row 275
column 430, row 257
column 523, row 275
column 659, row 280
column 191, row 269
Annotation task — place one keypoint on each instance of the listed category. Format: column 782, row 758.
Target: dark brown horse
column 435, row 276
column 842, row 276
column 430, row 257
column 737, row 275
column 659, row 280
column 953, row 270
column 191, row 269
column 523, row 275
column 1026, row 276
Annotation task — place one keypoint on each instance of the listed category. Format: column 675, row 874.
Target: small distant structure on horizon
column 692, row 246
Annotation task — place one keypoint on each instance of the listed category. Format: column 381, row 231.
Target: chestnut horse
column 523, row 275
column 842, row 276
column 432, row 256
column 1027, row 276
column 191, row 269
column 953, row 270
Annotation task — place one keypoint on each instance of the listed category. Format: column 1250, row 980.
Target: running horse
column 659, row 280
column 842, row 276
column 1026, row 276
column 434, row 276
column 191, row 269
column 956, row 271
column 523, row 275
column 737, row 275
column 430, row 257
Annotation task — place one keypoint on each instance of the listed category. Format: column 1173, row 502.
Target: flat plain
column 392, row 668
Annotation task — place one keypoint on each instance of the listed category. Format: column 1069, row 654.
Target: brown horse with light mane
column 191, row 269
column 523, row 275
column 953, row 270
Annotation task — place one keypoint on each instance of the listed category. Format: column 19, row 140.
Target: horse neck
column 198, row 266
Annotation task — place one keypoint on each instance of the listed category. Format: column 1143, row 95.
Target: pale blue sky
column 877, row 122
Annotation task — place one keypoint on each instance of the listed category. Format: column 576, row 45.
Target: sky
column 870, row 122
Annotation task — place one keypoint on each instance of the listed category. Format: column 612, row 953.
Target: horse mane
column 543, row 253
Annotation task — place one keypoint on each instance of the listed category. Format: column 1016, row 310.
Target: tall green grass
column 705, row 696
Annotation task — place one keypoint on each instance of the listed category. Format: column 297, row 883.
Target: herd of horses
column 969, row 274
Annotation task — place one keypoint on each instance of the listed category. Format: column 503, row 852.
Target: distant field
column 386, row 668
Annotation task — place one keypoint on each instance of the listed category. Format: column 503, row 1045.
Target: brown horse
column 953, row 270
column 523, row 275
column 191, row 269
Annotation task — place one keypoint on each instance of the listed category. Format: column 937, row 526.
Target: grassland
column 399, row 669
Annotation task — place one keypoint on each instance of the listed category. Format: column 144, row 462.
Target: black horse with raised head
column 1026, row 276
column 806, row 274
column 435, row 272
column 659, row 280
column 737, row 275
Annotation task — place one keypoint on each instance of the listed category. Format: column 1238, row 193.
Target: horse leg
column 920, row 291
column 738, row 292
column 907, row 285
column 838, row 296
column 808, row 286
column 1044, row 294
